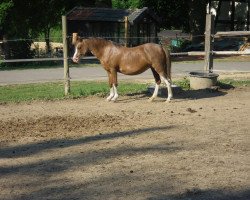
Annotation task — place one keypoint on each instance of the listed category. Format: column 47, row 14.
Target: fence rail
column 41, row 56
column 191, row 53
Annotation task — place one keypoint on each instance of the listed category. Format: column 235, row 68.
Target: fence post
column 126, row 31
column 65, row 57
column 208, row 43
column 74, row 38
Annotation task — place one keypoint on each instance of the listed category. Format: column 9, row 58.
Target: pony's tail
column 168, row 63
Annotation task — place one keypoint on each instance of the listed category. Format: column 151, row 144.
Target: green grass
column 231, row 82
column 47, row 65
column 183, row 83
column 55, row 91
column 224, row 83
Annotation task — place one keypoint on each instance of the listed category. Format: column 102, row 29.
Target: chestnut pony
column 130, row 61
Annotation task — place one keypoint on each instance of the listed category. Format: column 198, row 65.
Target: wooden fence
column 209, row 37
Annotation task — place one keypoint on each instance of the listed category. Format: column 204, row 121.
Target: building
column 124, row 26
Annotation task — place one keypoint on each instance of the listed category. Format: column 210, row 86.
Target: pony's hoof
column 150, row 99
column 109, row 98
column 168, row 101
column 114, row 98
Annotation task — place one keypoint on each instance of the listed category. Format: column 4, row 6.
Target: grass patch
column 223, row 83
column 55, row 91
column 47, row 65
column 183, row 83
column 226, row 83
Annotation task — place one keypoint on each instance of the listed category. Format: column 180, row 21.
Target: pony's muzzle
column 75, row 60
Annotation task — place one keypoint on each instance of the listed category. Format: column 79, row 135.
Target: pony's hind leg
column 157, row 84
column 168, row 83
column 155, row 93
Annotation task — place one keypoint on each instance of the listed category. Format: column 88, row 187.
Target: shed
column 126, row 26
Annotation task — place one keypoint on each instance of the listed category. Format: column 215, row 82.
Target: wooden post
column 208, row 43
column 126, row 31
column 65, row 57
column 248, row 15
column 74, row 38
column 232, row 15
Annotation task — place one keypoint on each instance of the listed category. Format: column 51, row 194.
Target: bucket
column 202, row 80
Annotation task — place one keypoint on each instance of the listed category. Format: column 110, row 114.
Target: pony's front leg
column 115, row 93
column 111, row 94
column 114, row 84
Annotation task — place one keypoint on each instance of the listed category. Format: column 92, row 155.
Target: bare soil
column 196, row 147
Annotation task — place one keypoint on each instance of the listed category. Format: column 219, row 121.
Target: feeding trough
column 202, row 80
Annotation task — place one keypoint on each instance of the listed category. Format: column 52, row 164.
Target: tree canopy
column 19, row 18
column 28, row 19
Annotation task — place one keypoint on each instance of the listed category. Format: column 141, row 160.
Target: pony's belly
column 132, row 70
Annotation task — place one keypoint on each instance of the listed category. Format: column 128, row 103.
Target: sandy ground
column 196, row 147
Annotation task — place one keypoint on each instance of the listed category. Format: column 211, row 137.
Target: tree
column 173, row 13
column 125, row 4
column 47, row 14
column 4, row 7
column 197, row 16
column 187, row 15
column 15, row 24
column 103, row 3
column 27, row 19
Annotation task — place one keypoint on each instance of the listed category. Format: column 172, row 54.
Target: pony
column 127, row 60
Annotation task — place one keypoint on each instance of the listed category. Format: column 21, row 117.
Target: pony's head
column 80, row 49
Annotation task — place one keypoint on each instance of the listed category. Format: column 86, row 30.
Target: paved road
column 97, row 73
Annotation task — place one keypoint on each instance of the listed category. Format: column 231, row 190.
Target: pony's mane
column 103, row 41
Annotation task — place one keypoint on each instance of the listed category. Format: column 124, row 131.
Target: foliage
column 125, row 4
column 28, row 19
column 31, row 19
column 197, row 16
column 185, row 15
column 183, row 83
column 4, row 7
column 174, row 14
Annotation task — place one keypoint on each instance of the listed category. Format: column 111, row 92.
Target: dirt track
column 196, row 147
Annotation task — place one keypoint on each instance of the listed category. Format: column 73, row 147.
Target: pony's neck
column 96, row 46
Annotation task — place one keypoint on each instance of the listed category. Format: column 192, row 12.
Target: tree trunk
column 47, row 40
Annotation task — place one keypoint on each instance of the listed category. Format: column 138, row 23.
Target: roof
column 109, row 14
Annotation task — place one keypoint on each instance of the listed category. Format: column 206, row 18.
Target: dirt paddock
column 196, row 147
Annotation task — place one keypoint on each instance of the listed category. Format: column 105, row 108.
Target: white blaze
column 75, row 59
